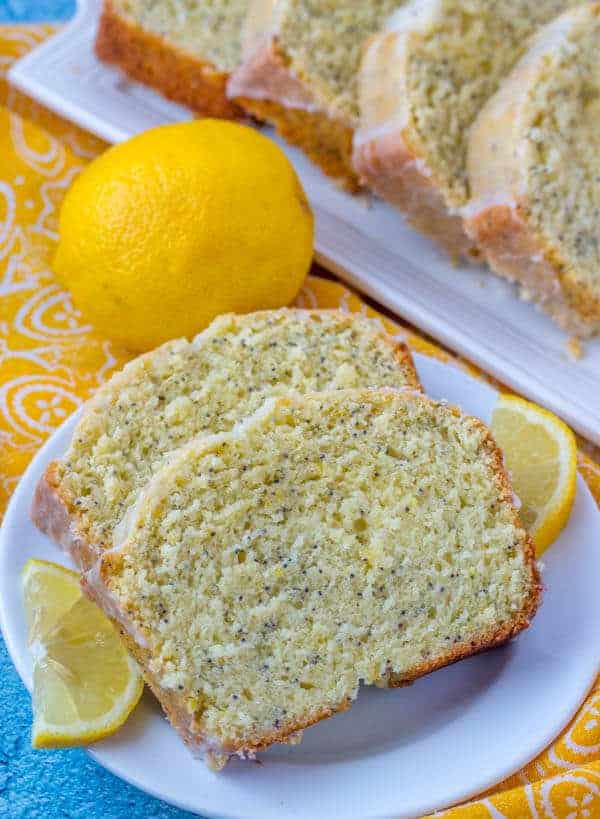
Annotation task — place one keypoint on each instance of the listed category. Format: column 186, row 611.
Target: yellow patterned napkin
column 51, row 361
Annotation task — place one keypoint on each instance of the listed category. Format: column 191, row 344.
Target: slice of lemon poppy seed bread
column 331, row 539
column 534, row 168
column 163, row 399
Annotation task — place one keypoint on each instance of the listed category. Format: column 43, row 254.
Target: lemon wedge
column 85, row 684
column 540, row 452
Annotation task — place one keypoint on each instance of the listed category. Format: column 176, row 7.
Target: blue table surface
column 36, row 11
column 55, row 784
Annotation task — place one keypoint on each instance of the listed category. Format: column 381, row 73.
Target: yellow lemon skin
column 540, row 451
column 167, row 230
column 85, row 684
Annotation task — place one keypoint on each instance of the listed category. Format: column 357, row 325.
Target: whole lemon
column 167, row 230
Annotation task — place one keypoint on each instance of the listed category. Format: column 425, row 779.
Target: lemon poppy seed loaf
column 422, row 83
column 299, row 71
column 331, row 539
column 184, row 50
column 534, row 167
column 162, row 399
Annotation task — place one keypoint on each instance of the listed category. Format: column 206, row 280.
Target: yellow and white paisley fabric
column 51, row 361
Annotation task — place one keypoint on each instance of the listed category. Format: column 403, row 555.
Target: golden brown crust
column 514, row 251
column 147, row 58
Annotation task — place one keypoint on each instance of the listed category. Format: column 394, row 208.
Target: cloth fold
column 51, row 361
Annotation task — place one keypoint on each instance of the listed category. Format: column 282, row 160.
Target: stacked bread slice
column 534, row 170
column 274, row 513
column 299, row 72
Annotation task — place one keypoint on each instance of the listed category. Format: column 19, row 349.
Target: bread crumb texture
column 161, row 400
column 210, row 30
column 330, row 540
column 561, row 144
column 464, row 51
column 323, row 40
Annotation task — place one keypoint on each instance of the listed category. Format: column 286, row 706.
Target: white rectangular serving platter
column 364, row 242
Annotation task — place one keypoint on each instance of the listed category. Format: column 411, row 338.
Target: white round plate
column 399, row 753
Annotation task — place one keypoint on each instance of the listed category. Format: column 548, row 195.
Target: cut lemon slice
column 540, row 453
column 85, row 684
